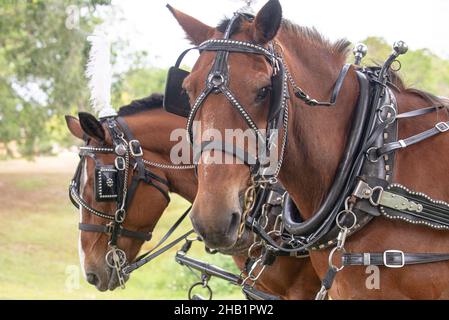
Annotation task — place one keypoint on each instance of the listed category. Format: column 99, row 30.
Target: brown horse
column 289, row 278
column 316, row 139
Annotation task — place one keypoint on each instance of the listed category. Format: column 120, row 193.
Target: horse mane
column 427, row 96
column 340, row 48
column 151, row 102
column 311, row 35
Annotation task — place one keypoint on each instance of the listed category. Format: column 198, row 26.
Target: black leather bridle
column 128, row 159
column 278, row 115
column 217, row 82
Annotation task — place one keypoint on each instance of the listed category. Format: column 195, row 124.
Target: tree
column 42, row 58
column 138, row 83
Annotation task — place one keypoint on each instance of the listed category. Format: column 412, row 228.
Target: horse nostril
column 92, row 278
column 235, row 222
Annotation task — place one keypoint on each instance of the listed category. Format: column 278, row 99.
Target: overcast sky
column 148, row 25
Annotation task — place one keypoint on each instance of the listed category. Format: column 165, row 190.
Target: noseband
column 111, row 184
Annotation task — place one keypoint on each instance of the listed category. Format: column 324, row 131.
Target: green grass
column 39, row 254
column 31, row 183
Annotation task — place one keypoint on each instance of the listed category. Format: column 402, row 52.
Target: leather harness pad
column 106, row 180
column 431, row 213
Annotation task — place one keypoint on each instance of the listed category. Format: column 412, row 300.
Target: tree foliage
column 419, row 68
column 41, row 67
column 138, row 82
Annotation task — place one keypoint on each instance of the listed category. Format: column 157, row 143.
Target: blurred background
column 43, row 51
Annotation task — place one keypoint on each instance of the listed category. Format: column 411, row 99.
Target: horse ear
column 91, row 126
column 73, row 124
column 196, row 31
column 268, row 21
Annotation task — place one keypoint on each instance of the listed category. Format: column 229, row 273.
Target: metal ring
column 377, row 202
column 263, row 218
column 110, row 257
column 398, row 67
column 203, row 286
column 331, row 255
column 339, row 216
column 389, row 120
column 276, row 222
column 120, row 215
column 252, row 247
column 216, row 79
column 369, row 153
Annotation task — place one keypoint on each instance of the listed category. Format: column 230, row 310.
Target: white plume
column 99, row 73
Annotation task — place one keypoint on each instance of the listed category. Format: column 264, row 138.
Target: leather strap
column 440, row 127
column 418, row 112
column 233, row 150
column 149, row 255
column 339, row 83
column 100, row 228
column 142, row 173
column 252, row 293
column 335, row 92
column 391, row 258
column 235, row 46
column 143, row 261
column 74, row 196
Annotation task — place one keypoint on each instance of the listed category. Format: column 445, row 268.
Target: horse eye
column 263, row 93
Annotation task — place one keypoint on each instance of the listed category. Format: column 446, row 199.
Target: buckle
column 135, row 148
column 119, row 163
column 442, row 126
column 110, row 227
column 389, row 265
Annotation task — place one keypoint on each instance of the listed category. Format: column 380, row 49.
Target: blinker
column 176, row 100
column 105, row 186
